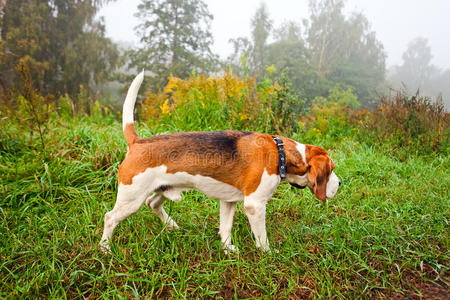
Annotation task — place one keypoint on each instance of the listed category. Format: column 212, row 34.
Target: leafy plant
column 328, row 117
column 206, row 103
column 32, row 110
column 415, row 123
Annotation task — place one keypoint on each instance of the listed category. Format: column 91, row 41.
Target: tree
column 416, row 69
column 325, row 33
column 62, row 45
column 242, row 47
column 2, row 12
column 261, row 27
column 175, row 39
column 328, row 49
column 344, row 50
column 289, row 52
column 417, row 73
column 252, row 52
column 289, row 31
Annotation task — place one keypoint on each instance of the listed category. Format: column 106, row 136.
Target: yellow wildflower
column 271, row 69
column 244, row 117
column 165, row 108
column 171, row 85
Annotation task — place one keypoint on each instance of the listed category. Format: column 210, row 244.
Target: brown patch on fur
column 233, row 157
column 130, row 134
column 312, row 151
column 295, row 163
column 321, row 167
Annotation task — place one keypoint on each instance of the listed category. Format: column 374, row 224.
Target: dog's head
column 311, row 166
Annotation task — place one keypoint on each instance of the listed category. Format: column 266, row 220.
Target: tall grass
column 384, row 235
column 416, row 123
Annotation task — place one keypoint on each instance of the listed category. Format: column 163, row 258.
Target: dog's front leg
column 226, row 222
column 255, row 209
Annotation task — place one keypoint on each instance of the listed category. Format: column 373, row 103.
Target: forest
column 322, row 81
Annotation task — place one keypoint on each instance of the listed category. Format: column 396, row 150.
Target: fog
column 396, row 23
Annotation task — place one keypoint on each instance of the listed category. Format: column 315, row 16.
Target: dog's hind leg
column 127, row 203
column 155, row 202
column 226, row 222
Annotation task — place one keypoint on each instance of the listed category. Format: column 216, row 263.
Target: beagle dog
column 228, row 165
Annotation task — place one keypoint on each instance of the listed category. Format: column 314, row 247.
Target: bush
column 328, row 117
column 413, row 123
column 221, row 102
column 286, row 106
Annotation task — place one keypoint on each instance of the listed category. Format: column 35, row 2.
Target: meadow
column 385, row 234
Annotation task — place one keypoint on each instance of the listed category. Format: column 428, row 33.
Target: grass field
column 385, row 234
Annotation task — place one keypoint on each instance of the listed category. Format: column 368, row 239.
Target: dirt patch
column 428, row 290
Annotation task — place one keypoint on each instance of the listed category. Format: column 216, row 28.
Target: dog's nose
column 339, row 183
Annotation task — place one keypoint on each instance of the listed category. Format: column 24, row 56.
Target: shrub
column 201, row 103
column 414, row 123
column 221, row 102
column 286, row 106
column 328, row 117
column 27, row 107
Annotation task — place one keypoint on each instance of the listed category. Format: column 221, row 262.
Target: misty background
column 397, row 24
column 94, row 47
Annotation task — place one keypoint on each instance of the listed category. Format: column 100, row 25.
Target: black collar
column 281, row 157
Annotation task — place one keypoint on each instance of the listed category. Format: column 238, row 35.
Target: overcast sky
column 396, row 22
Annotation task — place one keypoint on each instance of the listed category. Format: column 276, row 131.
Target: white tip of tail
column 130, row 100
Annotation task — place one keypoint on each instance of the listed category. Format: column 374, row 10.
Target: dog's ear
column 318, row 175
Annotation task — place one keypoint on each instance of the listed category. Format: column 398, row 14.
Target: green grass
column 385, row 234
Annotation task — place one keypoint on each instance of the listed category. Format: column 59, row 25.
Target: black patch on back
column 203, row 141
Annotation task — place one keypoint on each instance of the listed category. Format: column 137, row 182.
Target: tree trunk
column 2, row 13
column 175, row 37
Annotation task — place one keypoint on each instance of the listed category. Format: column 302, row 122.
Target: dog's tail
column 128, row 110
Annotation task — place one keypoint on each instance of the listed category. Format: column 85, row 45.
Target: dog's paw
column 229, row 249
column 273, row 251
column 104, row 247
column 171, row 225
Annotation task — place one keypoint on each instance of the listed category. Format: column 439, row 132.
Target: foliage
column 344, row 97
column 31, row 111
column 329, row 116
column 416, row 73
column 215, row 103
column 400, row 124
column 210, row 103
column 414, row 123
column 328, row 49
column 253, row 50
column 60, row 41
column 175, row 37
column 286, row 106
column 289, row 52
column 344, row 50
